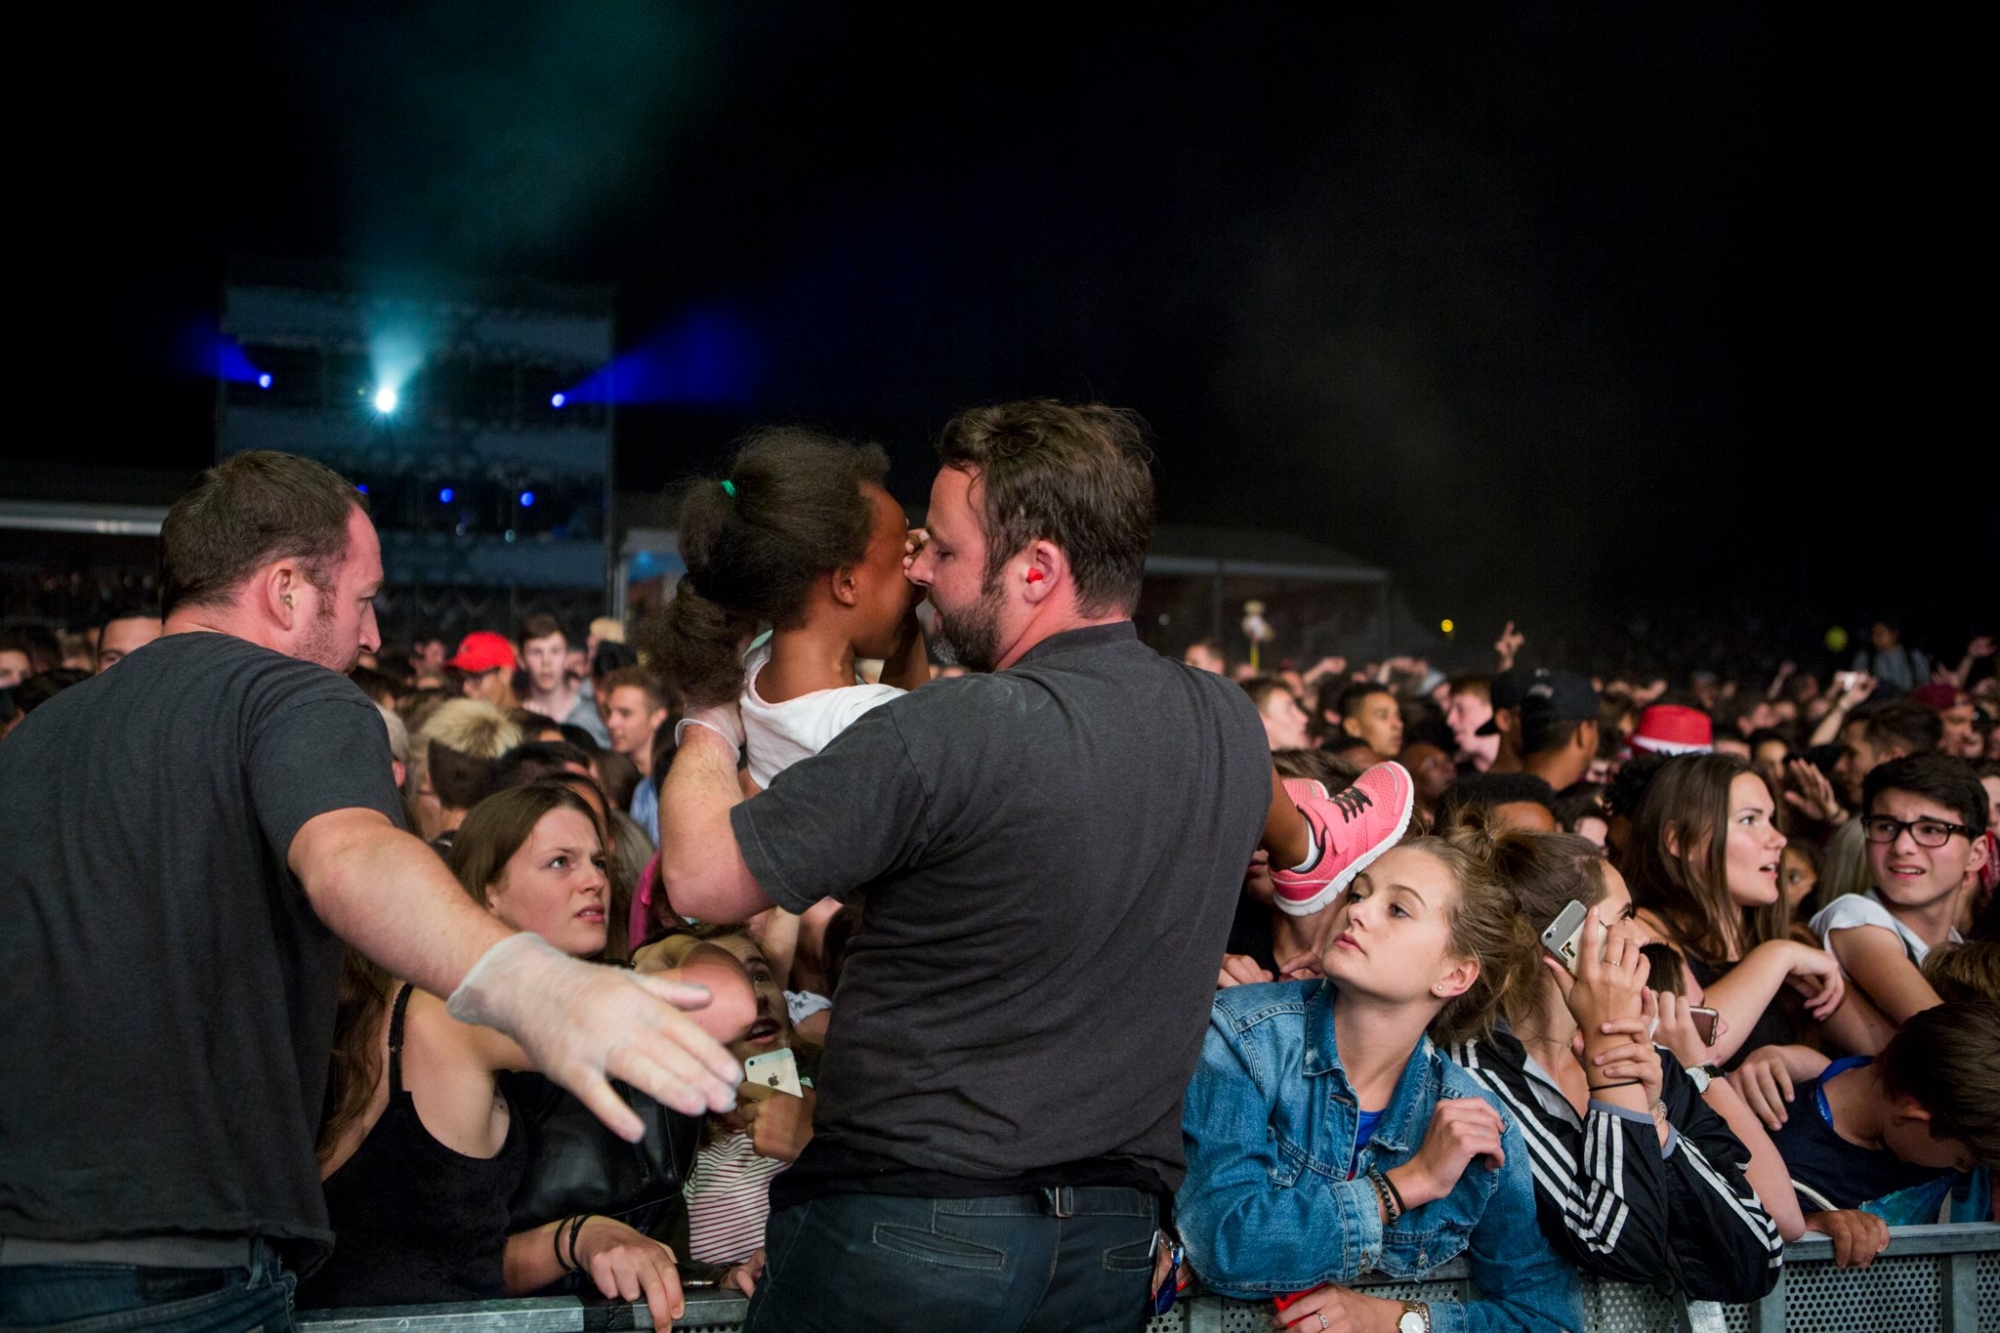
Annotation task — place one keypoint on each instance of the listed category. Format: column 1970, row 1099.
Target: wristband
column 1622, row 1083
column 575, row 1229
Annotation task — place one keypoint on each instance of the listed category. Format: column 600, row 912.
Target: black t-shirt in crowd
column 1827, row 1171
column 168, row 992
column 1046, row 861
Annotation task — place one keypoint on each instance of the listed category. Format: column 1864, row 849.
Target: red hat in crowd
column 482, row 651
column 1938, row 697
column 1672, row 729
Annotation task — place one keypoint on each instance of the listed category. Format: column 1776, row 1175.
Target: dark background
column 1626, row 324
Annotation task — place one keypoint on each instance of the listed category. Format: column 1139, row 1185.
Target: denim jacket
column 1268, row 1205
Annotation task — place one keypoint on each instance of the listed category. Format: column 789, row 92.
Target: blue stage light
column 556, row 400
column 361, row 486
column 386, row 399
column 527, row 499
column 264, row 380
column 445, row 495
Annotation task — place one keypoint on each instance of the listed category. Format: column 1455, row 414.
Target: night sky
column 1592, row 317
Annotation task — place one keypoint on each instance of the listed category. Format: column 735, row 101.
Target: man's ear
column 1351, row 725
column 1042, row 568
column 279, row 584
column 1908, row 1110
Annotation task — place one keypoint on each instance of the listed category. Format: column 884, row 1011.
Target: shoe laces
column 1351, row 801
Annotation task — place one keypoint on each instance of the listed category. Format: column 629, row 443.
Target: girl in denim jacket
column 1327, row 1137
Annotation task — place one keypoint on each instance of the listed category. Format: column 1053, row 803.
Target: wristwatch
column 1416, row 1318
column 1701, row 1076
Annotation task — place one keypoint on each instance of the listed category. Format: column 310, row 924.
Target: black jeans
column 100, row 1298
column 1070, row 1259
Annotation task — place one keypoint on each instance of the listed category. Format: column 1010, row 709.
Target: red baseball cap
column 482, row 651
column 1673, row 729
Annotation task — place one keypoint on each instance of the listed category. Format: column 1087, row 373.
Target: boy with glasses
column 1923, row 819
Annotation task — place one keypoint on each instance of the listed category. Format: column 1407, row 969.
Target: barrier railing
column 1932, row 1279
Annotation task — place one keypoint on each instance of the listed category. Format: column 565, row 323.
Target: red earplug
column 1034, row 576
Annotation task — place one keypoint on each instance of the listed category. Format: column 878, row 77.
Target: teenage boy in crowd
column 552, row 692
column 124, row 634
column 1923, row 820
column 1888, row 1134
column 1505, row 693
column 1050, row 850
column 1872, row 734
column 486, row 665
column 1558, row 723
column 1471, row 709
column 635, row 708
column 1368, row 712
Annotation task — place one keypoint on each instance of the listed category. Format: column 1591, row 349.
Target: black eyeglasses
column 1925, row 832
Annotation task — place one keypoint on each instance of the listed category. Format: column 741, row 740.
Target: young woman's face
column 773, row 1026
column 1285, row 723
column 1798, row 878
column 555, row 885
column 1755, row 847
column 1390, row 937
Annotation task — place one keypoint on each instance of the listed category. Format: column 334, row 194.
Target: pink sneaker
column 1353, row 826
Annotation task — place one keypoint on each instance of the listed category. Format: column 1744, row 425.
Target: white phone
column 1563, row 932
column 776, row 1070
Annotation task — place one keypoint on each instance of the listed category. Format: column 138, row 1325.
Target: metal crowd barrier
column 1932, row 1279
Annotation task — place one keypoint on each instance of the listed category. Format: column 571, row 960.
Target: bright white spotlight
column 386, row 400
column 556, row 400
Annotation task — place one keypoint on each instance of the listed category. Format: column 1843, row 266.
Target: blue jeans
column 1071, row 1259
column 98, row 1298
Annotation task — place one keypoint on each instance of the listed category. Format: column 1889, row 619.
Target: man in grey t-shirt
column 1046, row 856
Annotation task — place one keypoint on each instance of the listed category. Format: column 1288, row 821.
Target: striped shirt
column 728, row 1198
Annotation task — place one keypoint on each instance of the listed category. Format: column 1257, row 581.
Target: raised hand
column 1508, row 645
column 1808, row 792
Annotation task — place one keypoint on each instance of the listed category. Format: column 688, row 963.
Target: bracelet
column 1392, row 1203
column 1622, row 1083
column 575, row 1229
column 555, row 1238
column 1394, row 1193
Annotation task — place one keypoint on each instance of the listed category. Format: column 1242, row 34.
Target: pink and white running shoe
column 1353, row 826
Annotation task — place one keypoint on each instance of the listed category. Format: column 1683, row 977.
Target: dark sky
column 1580, row 315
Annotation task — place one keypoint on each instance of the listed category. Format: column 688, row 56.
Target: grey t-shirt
column 1046, row 860
column 166, row 993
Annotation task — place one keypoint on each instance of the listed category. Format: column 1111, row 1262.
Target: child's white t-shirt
column 1850, row 910
column 776, row 736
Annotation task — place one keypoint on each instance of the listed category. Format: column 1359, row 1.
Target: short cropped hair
column 1077, row 476
column 246, row 511
column 1952, row 783
column 1898, row 724
column 541, row 626
column 1260, row 688
column 1480, row 685
column 1351, row 696
column 1948, row 1060
column 457, row 747
column 637, row 678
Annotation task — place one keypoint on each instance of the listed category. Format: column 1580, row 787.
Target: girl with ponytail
column 799, row 536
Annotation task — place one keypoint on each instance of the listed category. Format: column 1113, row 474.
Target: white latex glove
column 725, row 720
column 583, row 1024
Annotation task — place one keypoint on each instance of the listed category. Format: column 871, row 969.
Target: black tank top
column 415, row 1221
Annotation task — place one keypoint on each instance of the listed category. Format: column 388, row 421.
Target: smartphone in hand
column 1562, row 936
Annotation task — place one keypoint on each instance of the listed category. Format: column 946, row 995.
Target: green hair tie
column 729, row 489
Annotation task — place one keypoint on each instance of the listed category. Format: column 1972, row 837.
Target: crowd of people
column 885, row 933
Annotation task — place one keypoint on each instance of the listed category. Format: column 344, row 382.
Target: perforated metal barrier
column 1935, row 1279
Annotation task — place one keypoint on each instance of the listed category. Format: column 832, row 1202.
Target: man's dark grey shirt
column 1046, row 860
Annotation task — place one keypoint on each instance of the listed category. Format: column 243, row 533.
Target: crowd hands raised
column 1565, row 974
